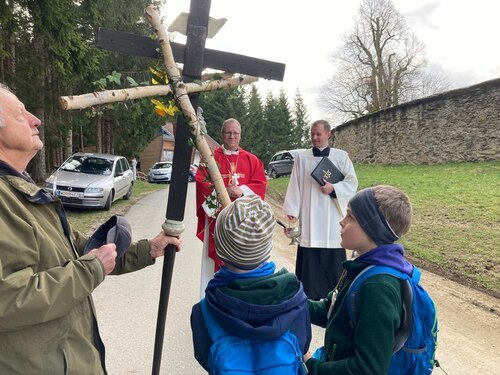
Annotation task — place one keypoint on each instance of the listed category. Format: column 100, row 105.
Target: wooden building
column 161, row 148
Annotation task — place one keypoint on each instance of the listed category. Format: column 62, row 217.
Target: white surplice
column 318, row 213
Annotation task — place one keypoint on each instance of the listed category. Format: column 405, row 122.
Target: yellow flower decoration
column 158, row 76
column 163, row 110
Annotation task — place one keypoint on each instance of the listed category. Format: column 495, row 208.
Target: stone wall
column 455, row 126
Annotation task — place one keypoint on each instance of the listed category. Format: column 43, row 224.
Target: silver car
column 160, row 172
column 91, row 180
column 282, row 163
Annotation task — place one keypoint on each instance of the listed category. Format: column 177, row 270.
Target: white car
column 160, row 172
column 91, row 180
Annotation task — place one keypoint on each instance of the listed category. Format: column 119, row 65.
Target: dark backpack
column 236, row 355
column 416, row 341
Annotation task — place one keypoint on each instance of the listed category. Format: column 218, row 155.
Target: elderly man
column 243, row 174
column 320, row 209
column 47, row 319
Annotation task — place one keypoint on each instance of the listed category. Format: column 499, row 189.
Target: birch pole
column 182, row 98
column 121, row 95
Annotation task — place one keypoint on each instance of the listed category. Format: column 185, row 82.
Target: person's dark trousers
column 319, row 269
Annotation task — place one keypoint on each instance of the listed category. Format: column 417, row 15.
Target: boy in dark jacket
column 376, row 217
column 246, row 296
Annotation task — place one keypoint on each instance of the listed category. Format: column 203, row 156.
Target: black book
column 326, row 170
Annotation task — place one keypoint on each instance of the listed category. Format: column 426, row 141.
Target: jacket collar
column 7, row 170
column 25, row 185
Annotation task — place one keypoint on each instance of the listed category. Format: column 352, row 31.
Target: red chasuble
column 244, row 169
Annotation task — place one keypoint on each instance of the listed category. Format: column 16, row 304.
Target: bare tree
column 379, row 65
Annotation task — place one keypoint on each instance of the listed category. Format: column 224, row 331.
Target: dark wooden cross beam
column 195, row 58
column 138, row 45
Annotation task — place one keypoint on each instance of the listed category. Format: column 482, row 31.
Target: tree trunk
column 107, row 124
column 81, row 138
column 37, row 166
column 7, row 64
column 68, row 148
column 98, row 133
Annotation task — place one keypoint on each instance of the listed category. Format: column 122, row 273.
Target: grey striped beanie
column 244, row 232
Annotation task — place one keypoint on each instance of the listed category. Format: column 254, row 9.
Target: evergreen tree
column 273, row 136
column 284, row 121
column 130, row 125
column 54, row 56
column 300, row 128
column 50, row 54
column 254, row 133
column 220, row 105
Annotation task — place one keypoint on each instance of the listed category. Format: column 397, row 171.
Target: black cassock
column 319, row 269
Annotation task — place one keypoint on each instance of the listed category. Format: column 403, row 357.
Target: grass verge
column 87, row 221
column 456, row 226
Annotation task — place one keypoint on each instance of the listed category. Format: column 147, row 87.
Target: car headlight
column 93, row 190
column 48, row 185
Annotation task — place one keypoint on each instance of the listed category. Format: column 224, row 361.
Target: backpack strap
column 215, row 330
column 353, row 292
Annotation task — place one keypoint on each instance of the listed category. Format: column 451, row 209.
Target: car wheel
column 129, row 192
column 274, row 174
column 108, row 203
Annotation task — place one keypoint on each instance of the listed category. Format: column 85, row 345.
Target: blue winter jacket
column 256, row 307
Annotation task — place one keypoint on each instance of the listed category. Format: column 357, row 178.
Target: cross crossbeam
column 138, row 45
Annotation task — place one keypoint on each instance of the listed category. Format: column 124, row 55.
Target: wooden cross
column 138, row 45
column 195, row 58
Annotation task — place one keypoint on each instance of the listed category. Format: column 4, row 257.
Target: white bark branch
column 122, row 95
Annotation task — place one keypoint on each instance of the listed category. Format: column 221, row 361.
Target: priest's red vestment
column 244, row 169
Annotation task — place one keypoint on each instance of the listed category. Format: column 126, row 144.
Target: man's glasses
column 231, row 133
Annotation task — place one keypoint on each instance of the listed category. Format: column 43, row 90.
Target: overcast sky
column 460, row 37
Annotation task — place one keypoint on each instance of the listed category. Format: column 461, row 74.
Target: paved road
column 127, row 307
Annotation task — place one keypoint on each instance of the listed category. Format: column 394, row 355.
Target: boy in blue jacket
column 246, row 296
column 376, row 217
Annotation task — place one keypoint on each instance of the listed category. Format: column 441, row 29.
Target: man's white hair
column 1, row 114
column 3, row 88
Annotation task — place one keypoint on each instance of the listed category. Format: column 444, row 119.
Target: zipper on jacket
column 300, row 357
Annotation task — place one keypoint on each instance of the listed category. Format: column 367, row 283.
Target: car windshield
column 88, row 164
column 162, row 165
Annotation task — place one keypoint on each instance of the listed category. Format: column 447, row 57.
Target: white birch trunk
column 181, row 94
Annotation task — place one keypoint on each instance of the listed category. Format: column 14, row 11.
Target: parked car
column 160, row 172
column 282, row 163
column 91, row 180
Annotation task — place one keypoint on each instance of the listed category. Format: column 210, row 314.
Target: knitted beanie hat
column 244, row 232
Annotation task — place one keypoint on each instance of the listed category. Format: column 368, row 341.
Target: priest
column 243, row 174
column 319, row 208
